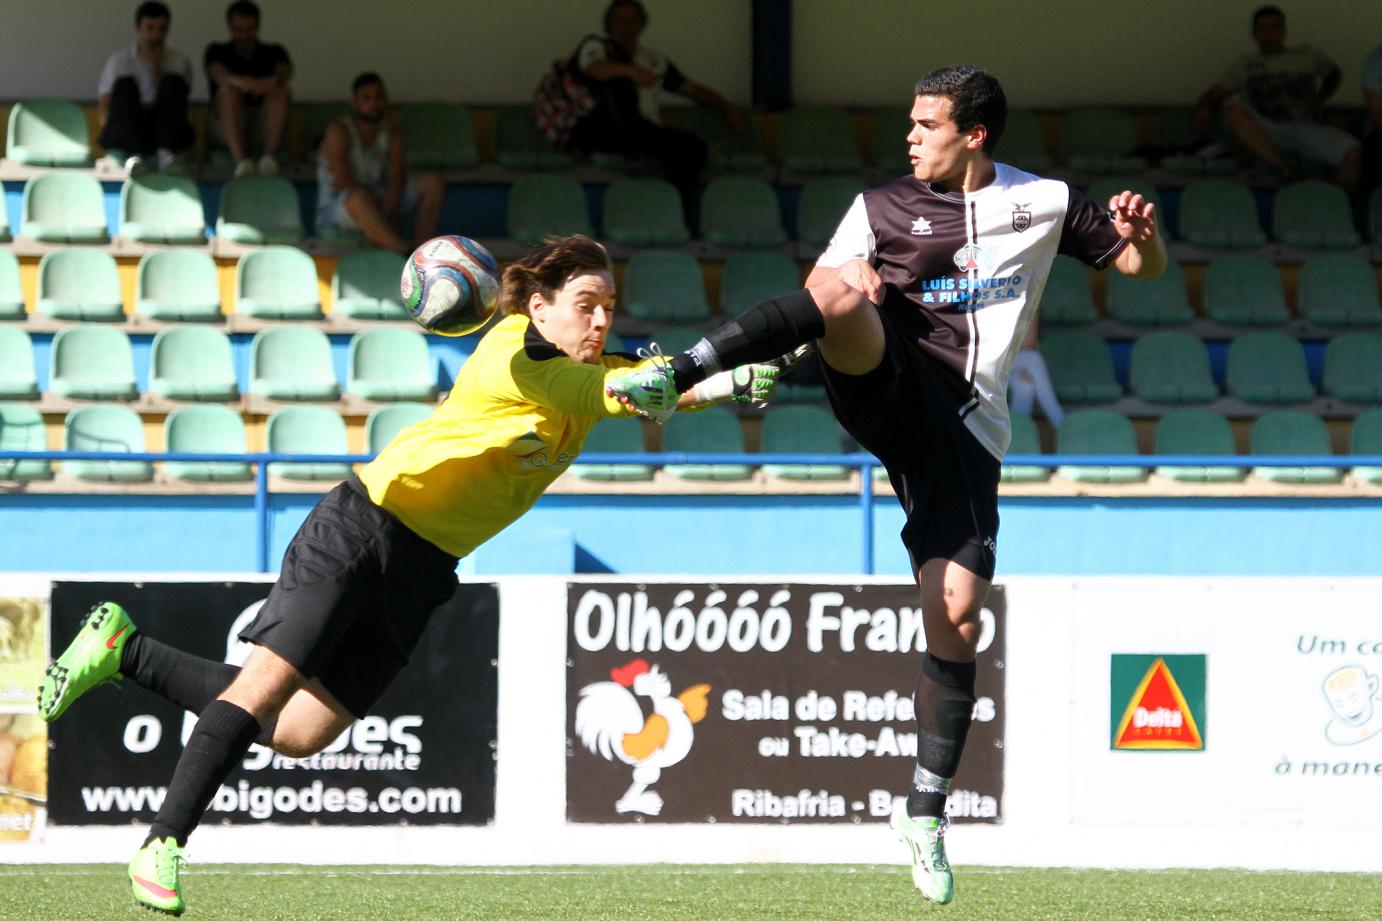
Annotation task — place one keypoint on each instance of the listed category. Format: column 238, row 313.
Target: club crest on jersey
column 972, row 257
column 921, row 227
column 1022, row 217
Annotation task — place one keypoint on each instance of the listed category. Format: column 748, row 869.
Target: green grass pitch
column 699, row 893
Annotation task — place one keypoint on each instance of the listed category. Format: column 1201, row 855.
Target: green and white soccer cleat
column 91, row 659
column 649, row 391
column 154, row 876
column 924, row 835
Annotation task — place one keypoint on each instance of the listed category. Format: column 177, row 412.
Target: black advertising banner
column 761, row 703
column 425, row 755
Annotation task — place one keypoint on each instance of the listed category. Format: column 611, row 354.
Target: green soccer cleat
column 648, row 391
column 154, row 876
column 930, row 870
column 91, row 659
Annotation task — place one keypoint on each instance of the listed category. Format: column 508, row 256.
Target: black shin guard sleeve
column 944, row 707
column 767, row 330
column 217, row 744
column 189, row 681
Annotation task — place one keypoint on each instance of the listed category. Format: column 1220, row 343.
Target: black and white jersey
column 963, row 273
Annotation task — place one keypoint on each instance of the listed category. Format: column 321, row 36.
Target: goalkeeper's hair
column 548, row 268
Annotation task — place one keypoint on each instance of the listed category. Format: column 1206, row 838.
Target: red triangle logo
column 1158, row 716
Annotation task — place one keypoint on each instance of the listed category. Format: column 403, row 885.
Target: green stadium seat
column 307, row 430
column 206, row 429
column 710, row 431
column 384, row 423
column 824, row 201
column 644, row 212
column 292, row 363
column 257, row 210
column 64, row 208
column 1101, row 190
column 888, row 150
column 518, row 145
column 1353, row 368
column 1024, row 141
column 1161, row 301
column 1365, row 441
column 18, row 380
column 802, row 429
column 388, row 365
column 665, row 286
column 365, row 286
column 1171, row 367
column 673, row 340
column 1268, row 367
column 1177, row 130
column 737, row 211
column 48, row 132
column 1098, row 431
column 613, row 436
column 192, row 363
column 160, row 208
column 277, row 282
column 106, row 428
column 728, row 152
column 542, row 206
column 1067, row 299
column 92, row 363
column 615, row 343
column 79, row 284
column 1081, row 367
column 1339, row 290
column 1197, row 431
column 1290, row 431
column 1025, row 440
column 314, row 120
column 818, row 140
column 753, row 275
column 21, row 429
column 11, row 294
column 1220, row 214
column 1099, row 140
column 1313, row 215
column 1244, row 290
column 440, row 135
column 178, row 286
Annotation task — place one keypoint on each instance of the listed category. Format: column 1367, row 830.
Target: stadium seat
column 1339, row 290
column 1353, row 368
column 728, row 152
column 613, row 436
column 64, row 208
column 385, row 422
column 1098, row 431
column 365, row 286
column 11, row 294
column 710, row 431
column 1197, row 431
column 1160, row 301
column 888, row 150
column 1171, row 367
column 18, row 380
column 111, row 429
column 389, row 365
column 1098, row 140
column 665, row 286
column 79, row 284
column 92, row 363
column 542, row 206
column 1290, row 431
column 823, row 203
column 518, row 145
column 1364, row 441
column 292, row 363
column 1024, row 141
column 753, row 275
column 1081, row 367
column 1067, row 299
column 205, row 430
column 48, row 132
column 1268, row 367
column 1220, row 214
column 615, row 343
column 1375, row 216
column 307, row 430
column 802, row 429
column 644, row 212
column 673, row 340
column 159, row 208
column 1313, row 215
column 192, row 363
column 22, row 429
column 1177, row 131
column 440, row 135
column 256, row 210
column 277, row 282
column 314, row 120
column 1101, row 190
column 1244, row 290
column 738, row 211
column 818, row 140
column 4, row 225
column 177, row 286
column 1025, row 440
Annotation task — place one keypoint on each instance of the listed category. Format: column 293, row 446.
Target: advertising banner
column 760, row 703
column 425, row 755
column 23, row 736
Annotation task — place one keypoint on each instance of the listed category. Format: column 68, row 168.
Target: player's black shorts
column 905, row 412
column 356, row 589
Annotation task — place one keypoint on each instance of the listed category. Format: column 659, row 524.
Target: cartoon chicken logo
column 611, row 723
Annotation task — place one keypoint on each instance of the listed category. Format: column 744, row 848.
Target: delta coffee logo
column 1351, row 692
column 1157, row 702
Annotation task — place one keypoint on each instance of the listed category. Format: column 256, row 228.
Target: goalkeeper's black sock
column 189, row 681
column 765, row 331
column 217, row 744
column 944, row 707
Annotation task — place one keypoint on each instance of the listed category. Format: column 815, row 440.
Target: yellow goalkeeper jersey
column 514, row 422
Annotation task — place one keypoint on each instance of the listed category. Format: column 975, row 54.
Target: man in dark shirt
column 249, row 89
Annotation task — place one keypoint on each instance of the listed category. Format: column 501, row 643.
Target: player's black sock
column 944, row 706
column 766, row 330
column 216, row 746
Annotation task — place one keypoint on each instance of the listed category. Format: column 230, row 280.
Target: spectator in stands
column 141, row 99
column 1031, row 381
column 1372, row 130
column 1274, row 104
column 627, row 79
column 361, row 181
column 250, row 99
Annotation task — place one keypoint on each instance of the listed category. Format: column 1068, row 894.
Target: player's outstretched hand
column 1134, row 217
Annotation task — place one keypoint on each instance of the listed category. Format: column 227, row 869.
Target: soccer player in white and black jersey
column 918, row 308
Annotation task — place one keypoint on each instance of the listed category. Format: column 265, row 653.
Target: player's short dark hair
column 547, row 268
column 634, row 4
column 367, row 78
column 976, row 98
column 1267, row 11
column 245, row 8
column 152, row 9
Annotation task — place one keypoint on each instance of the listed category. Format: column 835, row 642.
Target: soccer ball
column 450, row 285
